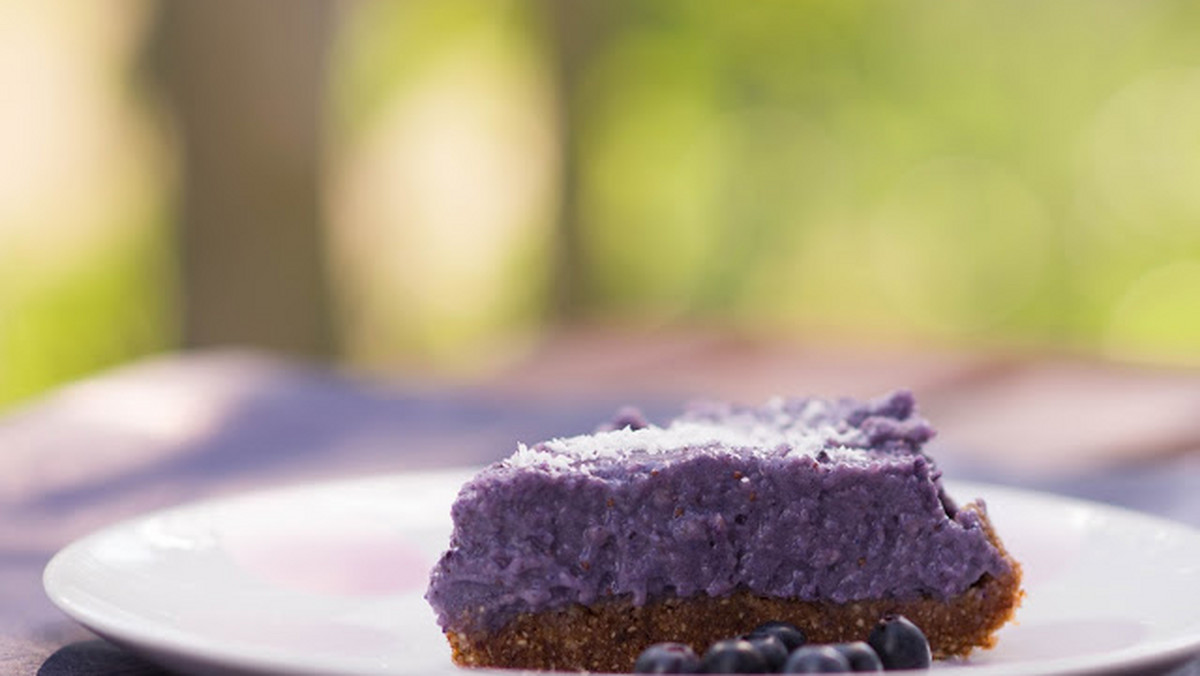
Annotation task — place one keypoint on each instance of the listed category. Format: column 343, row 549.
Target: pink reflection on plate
column 345, row 561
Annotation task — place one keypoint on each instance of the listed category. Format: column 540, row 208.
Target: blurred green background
column 433, row 185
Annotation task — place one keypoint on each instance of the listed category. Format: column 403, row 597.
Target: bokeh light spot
column 959, row 244
column 1142, row 161
column 1157, row 319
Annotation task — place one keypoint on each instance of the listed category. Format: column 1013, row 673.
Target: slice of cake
column 577, row 553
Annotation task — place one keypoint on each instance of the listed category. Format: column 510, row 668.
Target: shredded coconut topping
column 842, row 431
column 616, row 445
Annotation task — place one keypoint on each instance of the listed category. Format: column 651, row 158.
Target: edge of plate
column 165, row 645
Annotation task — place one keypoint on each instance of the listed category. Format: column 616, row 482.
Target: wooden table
column 182, row 427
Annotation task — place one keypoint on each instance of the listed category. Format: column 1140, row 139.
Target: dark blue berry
column 816, row 659
column 860, row 655
column 791, row 636
column 773, row 651
column 629, row 417
column 667, row 658
column 900, row 644
column 733, row 656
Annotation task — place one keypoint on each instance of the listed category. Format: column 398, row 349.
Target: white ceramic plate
column 329, row 578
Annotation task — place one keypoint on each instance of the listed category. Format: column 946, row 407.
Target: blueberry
column 667, row 658
column 860, row 655
column 772, row 650
column 900, row 644
column 791, row 636
column 816, row 659
column 733, row 656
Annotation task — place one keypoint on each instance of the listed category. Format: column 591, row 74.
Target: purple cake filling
column 801, row 499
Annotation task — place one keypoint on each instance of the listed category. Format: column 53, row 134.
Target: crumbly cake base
column 608, row 637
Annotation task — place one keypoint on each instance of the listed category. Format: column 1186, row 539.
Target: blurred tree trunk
column 246, row 81
column 576, row 29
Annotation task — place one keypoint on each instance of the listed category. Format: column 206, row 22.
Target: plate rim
column 165, row 644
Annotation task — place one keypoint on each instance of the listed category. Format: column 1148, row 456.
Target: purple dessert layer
column 798, row 499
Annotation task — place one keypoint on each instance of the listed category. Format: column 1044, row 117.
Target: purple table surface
column 184, row 427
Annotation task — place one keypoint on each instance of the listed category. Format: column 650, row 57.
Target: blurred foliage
column 86, row 261
column 971, row 171
column 113, row 306
column 1016, row 173
column 1013, row 172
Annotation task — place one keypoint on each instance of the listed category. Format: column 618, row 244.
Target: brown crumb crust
column 608, row 637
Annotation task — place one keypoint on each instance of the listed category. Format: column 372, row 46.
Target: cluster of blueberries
column 894, row 643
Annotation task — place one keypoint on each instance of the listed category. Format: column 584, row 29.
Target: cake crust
column 566, row 639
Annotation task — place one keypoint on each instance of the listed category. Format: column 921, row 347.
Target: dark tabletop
column 183, row 427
